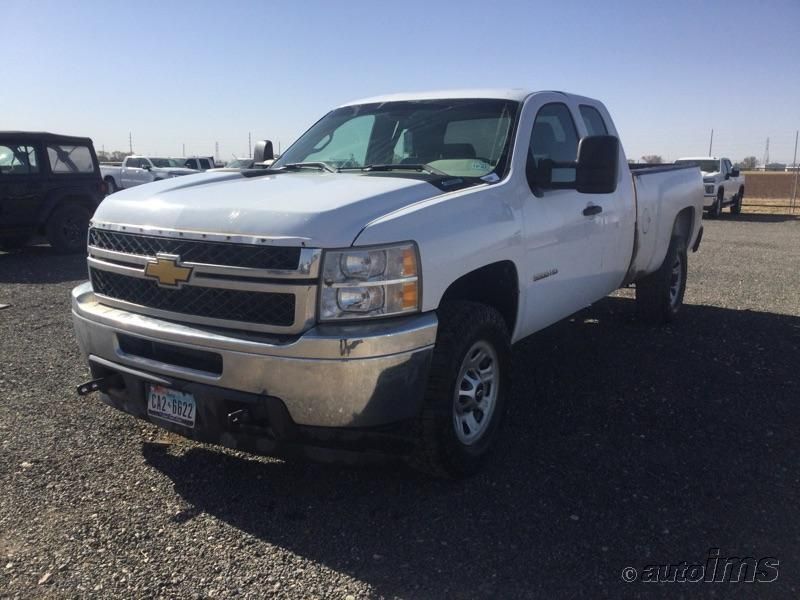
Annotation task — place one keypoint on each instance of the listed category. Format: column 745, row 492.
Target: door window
column 593, row 120
column 18, row 159
column 70, row 159
column 553, row 138
column 204, row 163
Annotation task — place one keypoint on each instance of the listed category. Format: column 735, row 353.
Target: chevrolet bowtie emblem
column 167, row 271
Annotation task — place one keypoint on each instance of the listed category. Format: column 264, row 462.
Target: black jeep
column 49, row 184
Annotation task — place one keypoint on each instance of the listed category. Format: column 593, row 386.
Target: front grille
column 266, row 308
column 198, row 251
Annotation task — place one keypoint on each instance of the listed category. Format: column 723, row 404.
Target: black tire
column 716, row 209
column 659, row 296
column 67, row 228
column 14, row 242
column 111, row 186
column 463, row 327
column 736, row 207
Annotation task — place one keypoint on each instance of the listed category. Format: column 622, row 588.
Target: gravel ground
column 626, row 446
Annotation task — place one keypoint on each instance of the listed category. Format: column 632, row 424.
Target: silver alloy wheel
column 476, row 390
column 675, row 282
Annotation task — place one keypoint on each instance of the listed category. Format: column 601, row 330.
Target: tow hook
column 102, row 384
column 239, row 417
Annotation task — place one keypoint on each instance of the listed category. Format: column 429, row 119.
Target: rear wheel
column 67, row 228
column 659, row 296
column 736, row 207
column 466, row 395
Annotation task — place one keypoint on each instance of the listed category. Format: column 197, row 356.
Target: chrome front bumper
column 346, row 376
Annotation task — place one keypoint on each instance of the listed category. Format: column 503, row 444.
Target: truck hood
column 312, row 209
column 173, row 171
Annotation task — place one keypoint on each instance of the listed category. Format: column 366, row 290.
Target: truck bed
column 662, row 193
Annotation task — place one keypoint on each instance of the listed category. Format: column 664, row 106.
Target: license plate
column 171, row 405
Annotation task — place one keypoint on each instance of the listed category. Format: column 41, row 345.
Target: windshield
column 461, row 138
column 707, row 166
column 165, row 163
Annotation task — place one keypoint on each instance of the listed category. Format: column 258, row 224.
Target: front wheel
column 466, row 395
column 716, row 209
column 67, row 228
column 659, row 296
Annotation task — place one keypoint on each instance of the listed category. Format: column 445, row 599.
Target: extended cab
column 363, row 293
column 49, row 184
column 136, row 170
column 722, row 183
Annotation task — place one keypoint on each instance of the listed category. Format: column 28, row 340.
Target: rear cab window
column 66, row 159
column 18, row 159
column 593, row 120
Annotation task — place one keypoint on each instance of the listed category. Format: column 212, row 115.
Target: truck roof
column 45, row 135
column 698, row 158
column 517, row 94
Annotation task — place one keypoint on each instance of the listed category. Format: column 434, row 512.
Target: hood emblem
column 167, row 270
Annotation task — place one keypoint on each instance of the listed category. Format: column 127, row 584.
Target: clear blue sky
column 199, row 72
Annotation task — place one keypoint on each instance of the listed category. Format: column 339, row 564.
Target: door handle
column 592, row 209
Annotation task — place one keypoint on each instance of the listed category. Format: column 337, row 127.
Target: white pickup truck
column 136, row 170
column 722, row 183
column 363, row 294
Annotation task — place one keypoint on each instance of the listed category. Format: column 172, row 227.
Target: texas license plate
column 171, row 405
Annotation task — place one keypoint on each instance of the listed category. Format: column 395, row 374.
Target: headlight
column 369, row 282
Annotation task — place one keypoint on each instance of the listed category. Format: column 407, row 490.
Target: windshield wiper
column 313, row 165
column 400, row 167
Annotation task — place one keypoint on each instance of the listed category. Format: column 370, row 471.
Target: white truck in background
column 136, row 170
column 363, row 293
column 723, row 185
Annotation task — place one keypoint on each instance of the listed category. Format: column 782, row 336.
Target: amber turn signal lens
column 409, row 262
column 410, row 298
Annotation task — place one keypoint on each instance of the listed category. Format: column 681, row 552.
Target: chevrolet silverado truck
column 136, row 170
column 723, row 185
column 362, row 295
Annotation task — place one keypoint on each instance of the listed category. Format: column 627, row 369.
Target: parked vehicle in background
column 722, row 183
column 49, row 184
column 136, row 170
column 363, row 293
column 197, row 163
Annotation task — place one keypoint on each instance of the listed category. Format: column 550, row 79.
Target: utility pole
column 249, row 146
column 766, row 156
column 794, row 165
column 183, row 149
column 130, row 142
column 711, row 142
column 279, row 147
column 216, row 151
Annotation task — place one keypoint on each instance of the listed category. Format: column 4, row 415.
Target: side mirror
column 147, row 166
column 734, row 172
column 262, row 151
column 596, row 171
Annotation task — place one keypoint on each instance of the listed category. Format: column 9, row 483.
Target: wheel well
column 496, row 285
column 684, row 224
column 85, row 201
